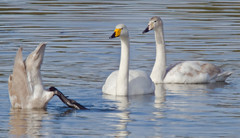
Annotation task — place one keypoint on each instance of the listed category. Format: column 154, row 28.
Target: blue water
column 79, row 57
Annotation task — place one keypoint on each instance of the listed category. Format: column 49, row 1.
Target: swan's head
column 120, row 31
column 154, row 23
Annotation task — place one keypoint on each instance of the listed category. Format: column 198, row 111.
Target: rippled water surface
column 79, row 57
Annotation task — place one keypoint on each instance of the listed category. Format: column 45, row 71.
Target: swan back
column 194, row 72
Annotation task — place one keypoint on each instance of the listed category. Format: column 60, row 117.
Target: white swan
column 184, row 72
column 25, row 84
column 125, row 82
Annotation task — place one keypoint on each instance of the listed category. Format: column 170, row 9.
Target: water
column 79, row 57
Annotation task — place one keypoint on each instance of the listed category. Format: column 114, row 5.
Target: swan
column 125, row 82
column 25, row 85
column 183, row 72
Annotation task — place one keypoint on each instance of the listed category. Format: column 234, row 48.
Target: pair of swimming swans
column 125, row 82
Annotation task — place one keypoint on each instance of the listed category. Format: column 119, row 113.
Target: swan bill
column 112, row 36
column 146, row 30
column 116, row 33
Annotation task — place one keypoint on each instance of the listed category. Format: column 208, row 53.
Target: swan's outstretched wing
column 34, row 60
column 25, row 84
column 17, row 82
column 33, row 64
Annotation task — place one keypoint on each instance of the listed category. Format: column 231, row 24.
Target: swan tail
column 223, row 76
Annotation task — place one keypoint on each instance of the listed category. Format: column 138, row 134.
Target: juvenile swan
column 125, row 82
column 184, row 72
column 25, row 84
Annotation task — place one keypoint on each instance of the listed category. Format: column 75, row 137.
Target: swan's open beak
column 146, row 30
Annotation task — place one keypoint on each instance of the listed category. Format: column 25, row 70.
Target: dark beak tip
column 145, row 31
column 112, row 36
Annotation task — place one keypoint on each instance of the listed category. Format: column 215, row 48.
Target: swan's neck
column 159, row 68
column 123, row 74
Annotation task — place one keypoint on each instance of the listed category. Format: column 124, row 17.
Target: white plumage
column 184, row 72
column 124, row 81
column 195, row 72
column 139, row 83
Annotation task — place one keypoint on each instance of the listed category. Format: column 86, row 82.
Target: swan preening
column 25, row 83
column 125, row 82
column 183, row 72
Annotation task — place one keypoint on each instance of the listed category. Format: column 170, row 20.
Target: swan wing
column 110, row 84
column 33, row 65
column 39, row 96
column 192, row 72
column 140, row 83
column 17, row 83
column 25, row 84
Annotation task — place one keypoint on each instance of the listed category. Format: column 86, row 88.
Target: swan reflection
column 185, row 88
column 151, row 108
column 160, row 94
column 180, row 89
column 122, row 104
column 26, row 122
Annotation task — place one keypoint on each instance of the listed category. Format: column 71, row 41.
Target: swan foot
column 69, row 102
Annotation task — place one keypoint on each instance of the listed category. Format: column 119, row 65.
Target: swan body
column 195, row 72
column 25, row 84
column 136, row 77
column 183, row 72
column 125, row 82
